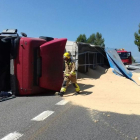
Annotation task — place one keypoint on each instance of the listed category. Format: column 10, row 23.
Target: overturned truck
column 30, row 65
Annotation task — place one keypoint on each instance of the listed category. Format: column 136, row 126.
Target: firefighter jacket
column 70, row 70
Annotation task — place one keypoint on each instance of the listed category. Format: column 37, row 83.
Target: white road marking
column 62, row 102
column 43, row 115
column 12, row 136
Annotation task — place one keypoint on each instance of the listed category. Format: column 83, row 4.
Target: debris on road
column 102, row 90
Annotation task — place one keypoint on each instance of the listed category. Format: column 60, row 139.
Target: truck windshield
column 124, row 55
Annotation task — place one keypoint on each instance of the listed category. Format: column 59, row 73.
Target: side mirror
column 23, row 34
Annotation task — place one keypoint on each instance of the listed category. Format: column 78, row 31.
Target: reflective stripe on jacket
column 69, row 68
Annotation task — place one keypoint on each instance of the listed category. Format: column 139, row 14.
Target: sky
column 116, row 20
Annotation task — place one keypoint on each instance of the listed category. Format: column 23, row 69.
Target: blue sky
column 116, row 20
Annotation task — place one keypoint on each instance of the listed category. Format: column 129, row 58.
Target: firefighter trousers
column 66, row 83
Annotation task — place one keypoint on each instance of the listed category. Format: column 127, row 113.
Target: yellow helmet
column 66, row 56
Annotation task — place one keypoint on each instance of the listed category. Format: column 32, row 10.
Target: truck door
column 51, row 54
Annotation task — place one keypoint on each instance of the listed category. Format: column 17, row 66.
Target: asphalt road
column 136, row 70
column 41, row 118
column 67, row 121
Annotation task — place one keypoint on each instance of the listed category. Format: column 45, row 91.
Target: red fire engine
column 125, row 56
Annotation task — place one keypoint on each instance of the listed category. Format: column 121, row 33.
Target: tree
column 82, row 38
column 95, row 39
column 91, row 39
column 137, row 38
column 133, row 60
column 99, row 40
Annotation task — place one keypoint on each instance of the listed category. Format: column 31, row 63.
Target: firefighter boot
column 62, row 91
column 61, row 94
column 77, row 88
column 78, row 92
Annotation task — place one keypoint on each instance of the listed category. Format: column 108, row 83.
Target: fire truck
column 125, row 56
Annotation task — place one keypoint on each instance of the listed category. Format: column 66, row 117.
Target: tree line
column 137, row 38
column 95, row 39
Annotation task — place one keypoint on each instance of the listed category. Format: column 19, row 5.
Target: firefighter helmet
column 66, row 55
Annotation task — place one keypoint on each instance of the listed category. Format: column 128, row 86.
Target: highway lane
column 17, row 113
column 136, row 70
column 67, row 122
column 79, row 123
column 49, row 117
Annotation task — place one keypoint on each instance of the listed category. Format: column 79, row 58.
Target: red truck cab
column 125, row 56
column 30, row 65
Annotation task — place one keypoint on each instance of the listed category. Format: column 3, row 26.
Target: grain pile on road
column 102, row 90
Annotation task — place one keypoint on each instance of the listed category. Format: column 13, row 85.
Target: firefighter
column 69, row 74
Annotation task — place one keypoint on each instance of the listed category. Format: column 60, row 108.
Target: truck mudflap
column 52, row 64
